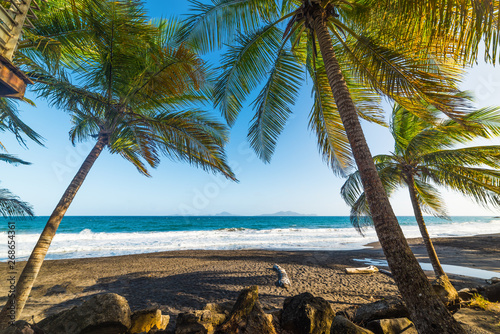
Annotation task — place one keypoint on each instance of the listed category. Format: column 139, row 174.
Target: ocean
column 81, row 237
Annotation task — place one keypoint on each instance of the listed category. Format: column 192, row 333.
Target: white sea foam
column 91, row 244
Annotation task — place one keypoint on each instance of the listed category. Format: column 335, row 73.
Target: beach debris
column 247, row 315
column 107, row 312
column 283, row 279
column 493, row 280
column 382, row 309
column 395, row 325
column 385, row 272
column 342, row 325
column 306, row 314
column 363, row 270
column 145, row 320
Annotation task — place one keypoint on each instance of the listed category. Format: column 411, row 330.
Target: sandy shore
column 184, row 280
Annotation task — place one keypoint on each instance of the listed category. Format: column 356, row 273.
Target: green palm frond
column 480, row 184
column 213, row 25
column 469, row 156
column 244, row 65
column 459, row 27
column 12, row 206
column 10, row 121
column 429, row 199
column 326, row 123
column 12, row 159
column 273, row 104
column 401, row 75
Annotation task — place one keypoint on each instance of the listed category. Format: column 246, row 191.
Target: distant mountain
column 224, row 214
column 287, row 214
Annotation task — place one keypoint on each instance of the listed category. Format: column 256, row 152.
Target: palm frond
column 273, row 104
column 244, row 66
column 11, row 206
column 211, row 26
column 12, row 159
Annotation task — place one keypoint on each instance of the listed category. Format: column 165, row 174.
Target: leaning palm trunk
column 436, row 265
column 427, row 311
column 15, row 304
column 448, row 293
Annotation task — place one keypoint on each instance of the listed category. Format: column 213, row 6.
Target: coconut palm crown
column 131, row 89
column 425, row 156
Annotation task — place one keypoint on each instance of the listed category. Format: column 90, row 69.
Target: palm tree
column 357, row 57
column 135, row 95
column 424, row 153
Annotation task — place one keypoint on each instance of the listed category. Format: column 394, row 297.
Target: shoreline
column 178, row 281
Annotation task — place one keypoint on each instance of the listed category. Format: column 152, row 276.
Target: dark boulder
column 382, row 309
column 103, row 314
column 304, row 314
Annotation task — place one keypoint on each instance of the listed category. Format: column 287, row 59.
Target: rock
column 194, row 322
column 493, row 280
column 445, row 290
column 342, row 325
column 247, row 315
column 107, row 314
column 145, row 320
column 306, row 314
column 392, row 326
column 382, row 309
column 491, row 292
column 466, row 294
column 19, row 327
column 165, row 320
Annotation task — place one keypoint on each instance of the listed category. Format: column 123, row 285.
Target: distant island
column 224, row 214
column 286, row 214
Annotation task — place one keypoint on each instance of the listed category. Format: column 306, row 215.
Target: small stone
column 342, row 325
column 145, row 320
column 392, row 326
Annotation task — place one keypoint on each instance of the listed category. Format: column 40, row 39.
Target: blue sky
column 296, row 179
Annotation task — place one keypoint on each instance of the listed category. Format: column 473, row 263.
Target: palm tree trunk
column 427, row 311
column 436, row 265
column 28, row 276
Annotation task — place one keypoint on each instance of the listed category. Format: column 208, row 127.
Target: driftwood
column 283, row 280
column 364, row 270
column 385, row 272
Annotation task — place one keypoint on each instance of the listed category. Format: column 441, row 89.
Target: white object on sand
column 363, row 270
column 283, row 280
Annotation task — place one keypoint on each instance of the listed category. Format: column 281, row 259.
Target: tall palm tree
column 356, row 56
column 424, row 154
column 135, row 94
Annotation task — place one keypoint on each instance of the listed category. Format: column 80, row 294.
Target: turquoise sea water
column 105, row 235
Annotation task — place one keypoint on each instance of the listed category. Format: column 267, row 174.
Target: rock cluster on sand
column 301, row 314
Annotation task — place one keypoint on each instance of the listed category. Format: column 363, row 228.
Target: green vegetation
column 425, row 154
column 136, row 94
